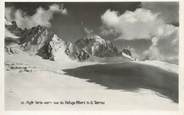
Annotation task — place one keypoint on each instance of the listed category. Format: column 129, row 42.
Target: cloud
column 58, row 8
column 164, row 46
column 144, row 24
column 168, row 11
column 41, row 17
column 9, row 13
column 140, row 24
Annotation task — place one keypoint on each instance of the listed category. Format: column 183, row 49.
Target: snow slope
column 120, row 86
column 162, row 65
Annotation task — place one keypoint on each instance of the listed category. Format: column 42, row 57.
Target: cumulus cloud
column 41, row 17
column 140, row 24
column 144, row 24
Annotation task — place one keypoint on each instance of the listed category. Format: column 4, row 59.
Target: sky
column 147, row 28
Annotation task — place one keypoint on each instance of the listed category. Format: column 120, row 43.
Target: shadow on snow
column 130, row 76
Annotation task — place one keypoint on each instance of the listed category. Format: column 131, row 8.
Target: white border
column 181, row 67
column 91, row 0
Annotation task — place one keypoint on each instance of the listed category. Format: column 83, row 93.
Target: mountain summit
column 42, row 41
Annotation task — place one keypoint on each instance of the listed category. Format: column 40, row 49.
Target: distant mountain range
column 44, row 42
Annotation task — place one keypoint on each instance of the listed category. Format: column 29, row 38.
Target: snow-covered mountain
column 42, row 41
column 97, row 46
column 106, row 72
column 38, row 40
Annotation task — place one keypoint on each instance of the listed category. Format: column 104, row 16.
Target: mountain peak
column 40, row 40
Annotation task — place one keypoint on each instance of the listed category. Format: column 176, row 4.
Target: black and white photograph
column 91, row 56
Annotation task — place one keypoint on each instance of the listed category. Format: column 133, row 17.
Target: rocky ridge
column 42, row 41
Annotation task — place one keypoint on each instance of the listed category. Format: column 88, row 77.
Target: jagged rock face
column 11, row 43
column 56, row 49
column 127, row 51
column 43, row 42
column 96, row 46
column 92, row 45
column 35, row 39
column 13, row 48
column 76, row 53
column 13, row 28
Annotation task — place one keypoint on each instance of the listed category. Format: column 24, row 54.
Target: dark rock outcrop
column 97, row 46
column 41, row 41
column 127, row 51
